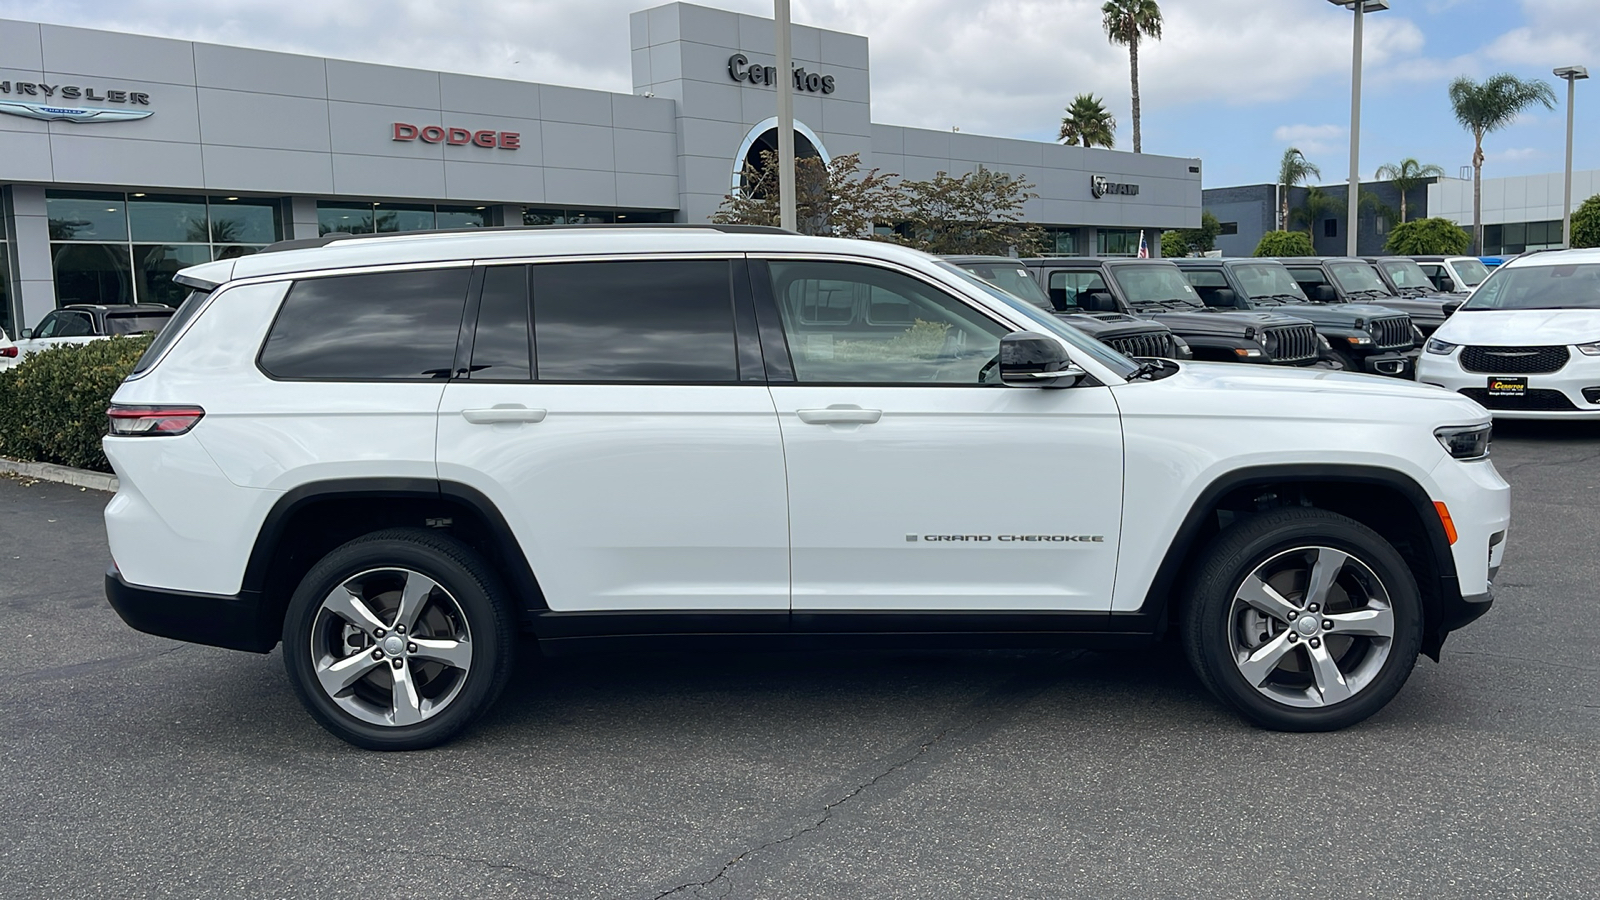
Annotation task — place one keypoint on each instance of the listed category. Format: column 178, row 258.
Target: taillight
column 151, row 421
column 8, row 352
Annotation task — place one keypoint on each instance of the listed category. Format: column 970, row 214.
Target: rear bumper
column 238, row 622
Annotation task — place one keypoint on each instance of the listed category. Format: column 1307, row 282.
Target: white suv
column 396, row 453
column 1527, row 343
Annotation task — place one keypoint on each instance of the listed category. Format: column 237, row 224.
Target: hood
column 1111, row 325
column 1232, row 322
column 1521, row 327
column 1341, row 314
column 1421, row 308
column 1281, row 392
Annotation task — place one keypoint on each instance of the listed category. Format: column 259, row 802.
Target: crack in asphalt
column 490, row 864
column 95, row 666
column 1012, row 686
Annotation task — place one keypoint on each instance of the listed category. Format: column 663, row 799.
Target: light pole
column 1572, row 74
column 1361, row 7
column 786, row 204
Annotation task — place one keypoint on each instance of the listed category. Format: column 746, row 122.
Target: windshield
column 1405, row 273
column 1356, row 276
column 1262, row 281
column 1155, row 284
column 1472, row 271
column 1539, row 287
column 1050, row 324
column 1012, row 278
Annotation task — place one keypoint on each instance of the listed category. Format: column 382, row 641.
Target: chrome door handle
column 503, row 412
column 839, row 415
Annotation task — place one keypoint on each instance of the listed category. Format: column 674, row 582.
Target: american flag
column 1144, row 249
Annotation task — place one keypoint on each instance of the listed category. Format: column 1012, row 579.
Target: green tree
column 1491, row 106
column 1125, row 22
column 1285, row 243
column 834, row 198
column 979, row 212
column 1407, row 175
column 1427, row 236
column 1316, row 206
column 1586, row 223
column 1292, row 170
column 1088, row 123
column 1184, row 241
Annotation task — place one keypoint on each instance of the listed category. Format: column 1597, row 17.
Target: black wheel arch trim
column 1454, row 611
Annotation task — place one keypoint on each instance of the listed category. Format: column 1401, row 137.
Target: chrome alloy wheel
column 1311, row 627
column 391, row 646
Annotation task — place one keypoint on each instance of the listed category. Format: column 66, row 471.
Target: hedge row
column 53, row 405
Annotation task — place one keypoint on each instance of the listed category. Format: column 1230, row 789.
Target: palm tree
column 1294, row 169
column 1125, row 22
column 1407, row 175
column 1315, row 207
column 1088, row 123
column 1490, row 106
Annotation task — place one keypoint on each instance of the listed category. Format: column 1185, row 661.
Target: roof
column 120, row 307
column 1087, row 260
column 1553, row 258
column 519, row 243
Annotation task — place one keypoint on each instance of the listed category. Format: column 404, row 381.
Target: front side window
column 1069, row 290
column 1539, row 287
column 884, row 327
column 65, row 323
column 381, row 326
column 665, row 321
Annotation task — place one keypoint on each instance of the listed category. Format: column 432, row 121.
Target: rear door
column 616, row 412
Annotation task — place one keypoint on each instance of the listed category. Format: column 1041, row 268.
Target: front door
column 622, row 425
column 917, row 482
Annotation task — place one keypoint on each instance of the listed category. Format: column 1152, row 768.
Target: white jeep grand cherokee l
column 396, row 453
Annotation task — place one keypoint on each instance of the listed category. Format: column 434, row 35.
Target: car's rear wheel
column 398, row 640
column 1303, row 620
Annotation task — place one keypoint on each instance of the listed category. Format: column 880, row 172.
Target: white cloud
column 1557, row 33
column 1518, row 154
column 1312, row 139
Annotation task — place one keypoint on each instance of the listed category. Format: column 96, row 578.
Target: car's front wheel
column 1303, row 620
column 398, row 640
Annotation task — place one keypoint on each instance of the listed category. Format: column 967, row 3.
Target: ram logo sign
column 1099, row 187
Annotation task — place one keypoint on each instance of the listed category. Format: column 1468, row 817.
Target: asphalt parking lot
column 139, row 767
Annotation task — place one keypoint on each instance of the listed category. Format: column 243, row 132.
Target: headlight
column 1270, row 343
column 1590, row 349
column 1444, row 348
column 1464, row 441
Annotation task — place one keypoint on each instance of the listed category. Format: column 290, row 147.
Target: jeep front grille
column 1514, row 360
column 1295, row 343
column 1151, row 343
column 1393, row 333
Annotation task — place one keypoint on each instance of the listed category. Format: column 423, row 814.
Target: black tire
column 471, row 606
column 1212, row 635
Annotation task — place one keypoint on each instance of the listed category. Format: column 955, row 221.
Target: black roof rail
column 334, row 237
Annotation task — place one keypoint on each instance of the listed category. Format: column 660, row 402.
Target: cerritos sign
column 458, row 137
column 1099, row 187
column 741, row 69
column 50, row 106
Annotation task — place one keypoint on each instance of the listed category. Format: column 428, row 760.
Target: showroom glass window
column 549, row 215
column 7, row 315
column 124, row 248
column 1118, row 241
column 380, row 217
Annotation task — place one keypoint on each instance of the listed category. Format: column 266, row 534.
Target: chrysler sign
column 1099, row 187
column 50, row 105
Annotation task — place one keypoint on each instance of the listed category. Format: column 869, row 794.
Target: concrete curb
column 84, row 478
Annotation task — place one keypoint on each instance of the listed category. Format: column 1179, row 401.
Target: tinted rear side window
column 382, row 326
column 652, row 321
column 136, row 324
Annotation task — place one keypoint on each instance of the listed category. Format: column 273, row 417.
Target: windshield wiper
column 1148, row 369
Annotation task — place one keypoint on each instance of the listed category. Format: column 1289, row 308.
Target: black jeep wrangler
column 1405, row 278
column 1155, row 289
column 1362, row 337
column 1127, row 335
column 1346, row 279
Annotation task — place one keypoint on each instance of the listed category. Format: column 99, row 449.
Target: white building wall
column 1522, row 198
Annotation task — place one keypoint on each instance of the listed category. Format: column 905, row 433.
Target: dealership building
column 124, row 158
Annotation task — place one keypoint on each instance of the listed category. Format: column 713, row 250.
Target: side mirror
column 1323, row 293
column 27, row 333
column 1029, row 359
column 1447, row 284
column 1100, row 301
column 1225, row 297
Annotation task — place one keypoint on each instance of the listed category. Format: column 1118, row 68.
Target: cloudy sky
column 1232, row 82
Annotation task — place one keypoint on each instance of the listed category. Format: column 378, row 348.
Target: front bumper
column 1563, row 394
column 238, row 622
